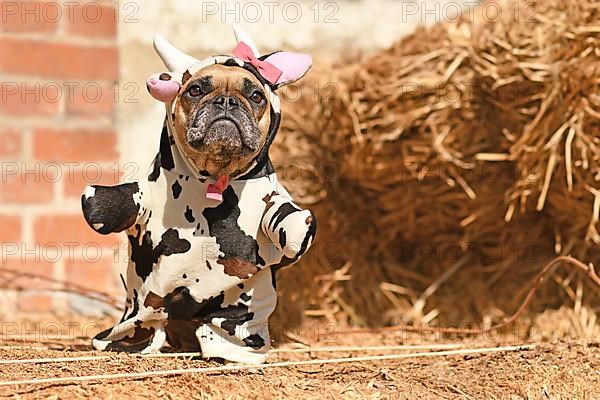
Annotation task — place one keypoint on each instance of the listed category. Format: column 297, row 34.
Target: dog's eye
column 257, row 97
column 195, row 90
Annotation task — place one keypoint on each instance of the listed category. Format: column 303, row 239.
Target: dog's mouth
column 221, row 141
column 223, row 134
column 226, row 125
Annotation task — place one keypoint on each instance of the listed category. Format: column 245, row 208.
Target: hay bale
column 468, row 149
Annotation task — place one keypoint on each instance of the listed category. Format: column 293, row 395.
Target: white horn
column 242, row 36
column 174, row 59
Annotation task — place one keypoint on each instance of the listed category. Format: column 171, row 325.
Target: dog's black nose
column 227, row 102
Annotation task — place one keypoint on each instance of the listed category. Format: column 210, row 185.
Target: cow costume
column 203, row 250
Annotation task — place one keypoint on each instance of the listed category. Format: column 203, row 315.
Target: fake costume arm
column 109, row 209
column 290, row 228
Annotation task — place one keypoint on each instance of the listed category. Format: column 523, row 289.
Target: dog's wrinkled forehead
column 222, row 77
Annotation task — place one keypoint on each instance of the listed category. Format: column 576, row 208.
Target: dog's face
column 222, row 119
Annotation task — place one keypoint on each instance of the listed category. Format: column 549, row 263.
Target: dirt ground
column 556, row 370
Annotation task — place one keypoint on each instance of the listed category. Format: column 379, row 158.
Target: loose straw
column 91, row 358
column 245, row 367
column 331, row 349
column 534, row 286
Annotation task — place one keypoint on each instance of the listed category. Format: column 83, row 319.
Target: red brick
column 31, row 184
column 35, row 302
column 91, row 99
column 64, row 229
column 10, row 143
column 30, row 16
column 10, row 229
column 94, row 273
column 92, row 19
column 57, row 60
column 61, row 145
column 75, row 183
column 36, row 264
column 30, row 98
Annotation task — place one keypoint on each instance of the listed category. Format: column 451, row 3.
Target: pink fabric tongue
column 215, row 192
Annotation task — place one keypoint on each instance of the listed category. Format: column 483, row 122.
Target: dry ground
column 557, row 370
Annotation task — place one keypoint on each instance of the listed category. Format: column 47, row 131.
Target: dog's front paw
column 296, row 236
column 110, row 209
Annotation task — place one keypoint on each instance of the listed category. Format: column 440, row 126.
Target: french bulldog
column 223, row 119
column 210, row 224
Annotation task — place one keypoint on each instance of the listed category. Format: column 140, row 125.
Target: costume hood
column 273, row 70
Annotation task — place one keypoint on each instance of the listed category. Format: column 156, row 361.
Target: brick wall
column 58, row 74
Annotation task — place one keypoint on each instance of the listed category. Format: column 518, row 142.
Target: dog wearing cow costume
column 210, row 224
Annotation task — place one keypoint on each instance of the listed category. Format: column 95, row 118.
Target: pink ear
column 292, row 65
column 163, row 87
